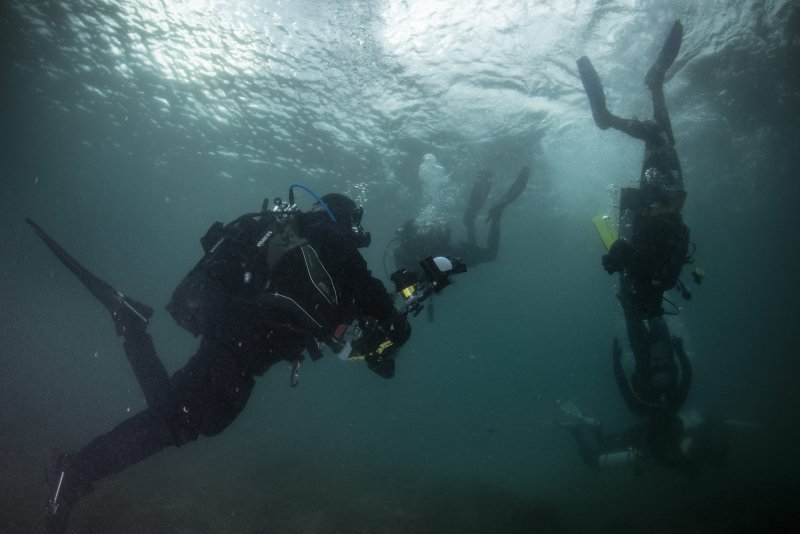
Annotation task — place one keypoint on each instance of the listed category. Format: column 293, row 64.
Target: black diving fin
column 594, row 91
column 127, row 313
column 669, row 51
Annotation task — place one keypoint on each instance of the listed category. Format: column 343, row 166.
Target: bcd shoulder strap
column 319, row 275
column 279, row 239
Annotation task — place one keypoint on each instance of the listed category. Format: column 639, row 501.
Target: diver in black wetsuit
column 318, row 284
column 684, row 442
column 419, row 241
column 667, row 438
column 654, row 240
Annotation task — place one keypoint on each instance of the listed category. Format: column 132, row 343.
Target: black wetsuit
column 654, row 240
column 651, row 259
column 209, row 392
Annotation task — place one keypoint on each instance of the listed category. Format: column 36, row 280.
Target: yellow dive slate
column 606, row 229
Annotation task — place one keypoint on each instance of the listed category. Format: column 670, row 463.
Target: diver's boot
column 61, row 494
column 594, row 91
column 511, row 195
column 669, row 51
column 478, row 196
column 128, row 314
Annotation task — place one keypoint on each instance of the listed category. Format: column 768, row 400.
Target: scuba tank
column 628, row 458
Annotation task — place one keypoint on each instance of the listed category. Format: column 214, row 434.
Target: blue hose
column 313, row 194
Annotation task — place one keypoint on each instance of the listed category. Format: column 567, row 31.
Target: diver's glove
column 374, row 344
column 382, row 362
column 614, row 261
column 397, row 328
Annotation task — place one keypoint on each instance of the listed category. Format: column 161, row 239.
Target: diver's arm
column 370, row 295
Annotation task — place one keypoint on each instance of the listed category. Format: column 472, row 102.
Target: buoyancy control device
column 236, row 266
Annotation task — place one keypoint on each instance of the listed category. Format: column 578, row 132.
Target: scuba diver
column 685, row 442
column 669, row 438
column 653, row 243
column 416, row 240
column 270, row 286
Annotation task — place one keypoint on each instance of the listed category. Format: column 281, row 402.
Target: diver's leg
column 516, row 189
column 493, row 239
column 164, row 423
column 133, row 440
column 480, row 254
column 632, row 127
column 148, row 369
column 478, row 194
column 215, row 385
column 210, row 393
column 655, row 78
column 130, row 442
column 660, row 113
column 603, row 118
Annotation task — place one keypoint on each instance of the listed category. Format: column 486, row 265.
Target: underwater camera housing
column 437, row 271
column 370, row 340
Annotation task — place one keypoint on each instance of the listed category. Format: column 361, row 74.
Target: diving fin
column 571, row 409
column 605, row 229
column 594, row 91
column 669, row 51
column 127, row 313
column 511, row 195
